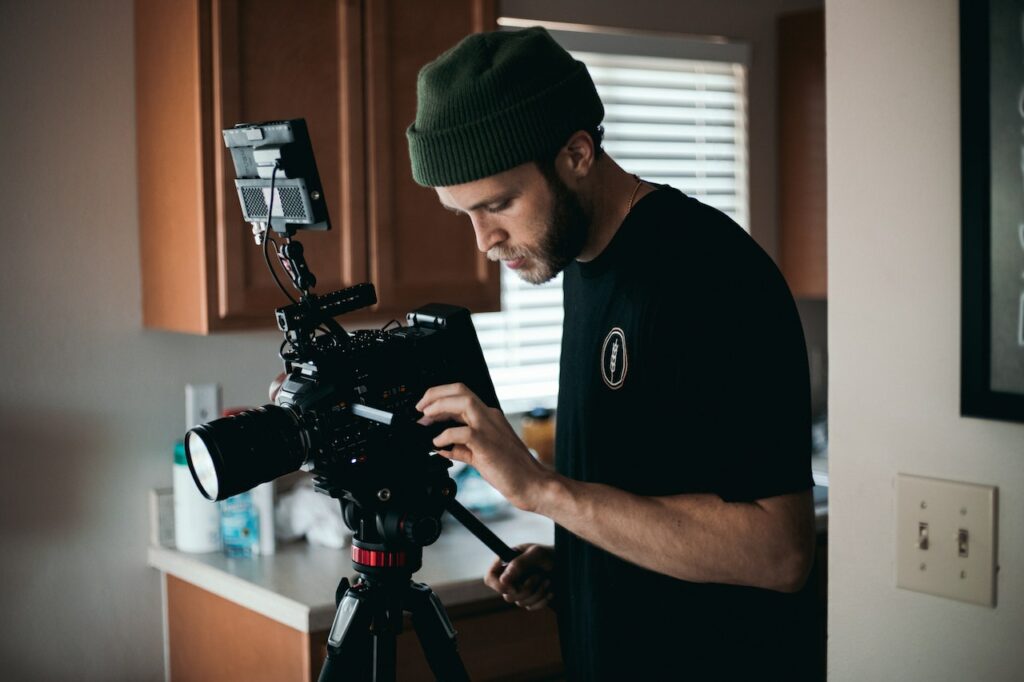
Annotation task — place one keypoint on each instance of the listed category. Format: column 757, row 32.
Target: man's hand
column 526, row 580
column 487, row 442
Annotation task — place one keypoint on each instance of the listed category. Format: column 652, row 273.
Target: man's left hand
column 486, row 442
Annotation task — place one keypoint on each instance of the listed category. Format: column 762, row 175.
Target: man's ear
column 577, row 156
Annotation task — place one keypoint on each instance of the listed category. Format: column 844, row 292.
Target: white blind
column 670, row 120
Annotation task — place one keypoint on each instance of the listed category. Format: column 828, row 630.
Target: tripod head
column 387, row 548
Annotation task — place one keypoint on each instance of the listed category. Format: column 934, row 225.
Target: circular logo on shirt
column 614, row 361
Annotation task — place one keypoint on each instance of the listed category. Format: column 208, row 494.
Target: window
column 675, row 113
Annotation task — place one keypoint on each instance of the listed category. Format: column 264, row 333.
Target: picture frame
column 992, row 218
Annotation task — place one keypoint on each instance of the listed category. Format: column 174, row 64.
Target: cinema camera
column 346, row 413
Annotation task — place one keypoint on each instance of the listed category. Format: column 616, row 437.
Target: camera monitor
column 276, row 173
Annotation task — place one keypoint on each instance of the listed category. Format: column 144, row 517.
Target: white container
column 263, row 498
column 196, row 519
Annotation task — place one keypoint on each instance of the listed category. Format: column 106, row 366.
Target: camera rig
column 346, row 412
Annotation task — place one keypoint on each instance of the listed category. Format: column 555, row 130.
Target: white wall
column 92, row 402
column 894, row 330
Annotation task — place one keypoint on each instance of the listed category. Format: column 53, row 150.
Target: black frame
column 977, row 399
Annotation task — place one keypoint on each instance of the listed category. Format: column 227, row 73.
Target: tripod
column 387, row 548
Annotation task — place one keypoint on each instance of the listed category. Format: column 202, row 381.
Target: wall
column 92, row 402
column 894, row 330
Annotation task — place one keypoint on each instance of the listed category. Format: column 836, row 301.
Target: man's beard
column 564, row 235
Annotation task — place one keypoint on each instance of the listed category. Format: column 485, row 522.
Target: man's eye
column 499, row 207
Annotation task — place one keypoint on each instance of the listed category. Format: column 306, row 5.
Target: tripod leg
column 436, row 634
column 348, row 644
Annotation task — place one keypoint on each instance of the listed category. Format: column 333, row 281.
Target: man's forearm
column 700, row 538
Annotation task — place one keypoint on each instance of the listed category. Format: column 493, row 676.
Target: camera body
column 346, row 411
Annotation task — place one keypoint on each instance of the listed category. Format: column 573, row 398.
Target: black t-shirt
column 683, row 370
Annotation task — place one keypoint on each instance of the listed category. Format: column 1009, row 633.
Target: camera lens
column 234, row 454
column 201, row 465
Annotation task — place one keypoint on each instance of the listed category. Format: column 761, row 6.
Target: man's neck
column 609, row 203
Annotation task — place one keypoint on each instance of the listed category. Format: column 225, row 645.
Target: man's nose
column 487, row 236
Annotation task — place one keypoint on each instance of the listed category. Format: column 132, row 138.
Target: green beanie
column 494, row 101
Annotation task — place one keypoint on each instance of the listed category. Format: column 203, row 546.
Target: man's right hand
column 526, row 580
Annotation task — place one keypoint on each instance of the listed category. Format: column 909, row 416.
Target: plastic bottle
column 539, row 434
column 196, row 519
column 248, row 522
column 240, row 525
column 263, row 498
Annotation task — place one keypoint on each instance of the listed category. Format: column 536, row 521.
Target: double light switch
column 945, row 538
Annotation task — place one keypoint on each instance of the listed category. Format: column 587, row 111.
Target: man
column 682, row 493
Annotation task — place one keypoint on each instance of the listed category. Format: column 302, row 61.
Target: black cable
column 267, row 237
column 385, row 327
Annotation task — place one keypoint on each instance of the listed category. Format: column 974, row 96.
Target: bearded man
column 681, row 496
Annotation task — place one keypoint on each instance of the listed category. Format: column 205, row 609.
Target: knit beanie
column 494, row 101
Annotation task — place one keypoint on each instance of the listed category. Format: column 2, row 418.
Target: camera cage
column 279, row 190
column 396, row 510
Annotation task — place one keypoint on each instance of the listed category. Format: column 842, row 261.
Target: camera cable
column 268, row 238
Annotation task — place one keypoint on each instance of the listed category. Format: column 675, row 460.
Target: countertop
column 296, row 585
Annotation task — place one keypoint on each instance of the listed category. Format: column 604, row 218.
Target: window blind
column 671, row 120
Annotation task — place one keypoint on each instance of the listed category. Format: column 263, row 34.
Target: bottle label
column 239, row 525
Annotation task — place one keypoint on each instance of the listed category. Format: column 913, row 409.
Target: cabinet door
column 174, row 244
column 206, row 65
column 278, row 60
column 802, row 178
column 419, row 252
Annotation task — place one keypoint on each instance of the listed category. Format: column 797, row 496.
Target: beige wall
column 92, row 402
column 894, row 330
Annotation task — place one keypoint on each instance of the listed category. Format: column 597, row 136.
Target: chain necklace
column 632, row 197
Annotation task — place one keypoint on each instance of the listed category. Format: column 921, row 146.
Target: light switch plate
column 202, row 404
column 946, row 538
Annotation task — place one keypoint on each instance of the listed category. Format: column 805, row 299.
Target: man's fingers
column 495, row 570
column 460, row 453
column 535, row 596
column 539, row 597
column 456, row 435
column 542, row 603
column 540, row 556
column 533, row 561
column 524, row 591
column 445, row 391
column 457, row 407
column 513, row 572
column 529, row 593
column 523, row 581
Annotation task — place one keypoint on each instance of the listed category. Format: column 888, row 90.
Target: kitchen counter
column 282, row 605
column 296, row 585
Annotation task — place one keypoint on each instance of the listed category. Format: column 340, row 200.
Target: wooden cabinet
column 349, row 68
column 211, row 638
column 802, row 167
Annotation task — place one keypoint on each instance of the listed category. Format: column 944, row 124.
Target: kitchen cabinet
column 802, row 166
column 212, row 638
column 349, row 68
